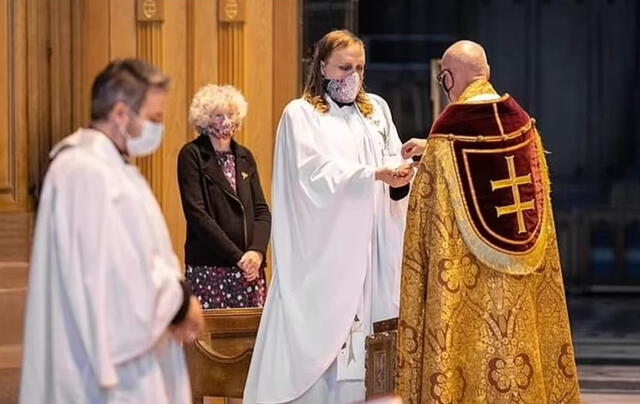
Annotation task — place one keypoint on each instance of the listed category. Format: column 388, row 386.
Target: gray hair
column 127, row 81
column 213, row 98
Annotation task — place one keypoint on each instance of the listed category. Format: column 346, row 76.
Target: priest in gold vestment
column 483, row 316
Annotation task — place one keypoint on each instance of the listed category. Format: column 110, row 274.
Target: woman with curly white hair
column 228, row 219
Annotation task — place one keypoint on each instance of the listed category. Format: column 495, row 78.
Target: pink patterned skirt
column 225, row 287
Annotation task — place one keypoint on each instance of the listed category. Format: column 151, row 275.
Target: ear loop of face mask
column 150, row 136
column 440, row 79
column 132, row 114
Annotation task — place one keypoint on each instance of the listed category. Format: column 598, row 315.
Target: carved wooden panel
column 219, row 360
column 380, row 364
column 13, row 113
column 231, row 10
column 231, row 54
column 150, row 49
column 150, row 10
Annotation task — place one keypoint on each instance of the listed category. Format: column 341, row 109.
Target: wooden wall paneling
column 123, row 29
column 7, row 164
column 61, row 72
column 259, row 127
column 150, row 49
column 175, row 65
column 38, row 109
column 55, row 81
column 286, row 62
column 258, row 54
column 13, row 112
column 231, row 46
column 80, row 93
column 202, row 46
column 231, row 54
column 286, row 55
column 96, row 52
column 20, row 98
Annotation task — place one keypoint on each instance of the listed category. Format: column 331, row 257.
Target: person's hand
column 395, row 178
column 413, row 147
column 406, row 170
column 250, row 263
column 187, row 330
column 403, row 175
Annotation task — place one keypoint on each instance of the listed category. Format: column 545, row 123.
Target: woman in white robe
column 339, row 205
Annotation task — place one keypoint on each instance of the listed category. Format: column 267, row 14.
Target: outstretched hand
column 413, row 147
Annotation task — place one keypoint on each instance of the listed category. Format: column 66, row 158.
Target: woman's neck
column 221, row 145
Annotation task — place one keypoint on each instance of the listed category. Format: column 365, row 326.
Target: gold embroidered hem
column 469, row 333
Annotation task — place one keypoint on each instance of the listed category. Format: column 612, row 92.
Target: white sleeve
column 121, row 294
column 321, row 175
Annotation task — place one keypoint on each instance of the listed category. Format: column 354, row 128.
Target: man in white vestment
column 339, row 208
column 107, row 308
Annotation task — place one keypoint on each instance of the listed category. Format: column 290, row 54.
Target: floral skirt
column 225, row 287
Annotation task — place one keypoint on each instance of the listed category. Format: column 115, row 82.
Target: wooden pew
column 219, row 360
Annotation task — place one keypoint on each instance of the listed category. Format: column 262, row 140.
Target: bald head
column 467, row 62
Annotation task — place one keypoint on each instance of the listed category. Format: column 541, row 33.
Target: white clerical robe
column 103, row 288
column 337, row 244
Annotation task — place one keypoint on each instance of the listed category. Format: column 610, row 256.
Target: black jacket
column 221, row 224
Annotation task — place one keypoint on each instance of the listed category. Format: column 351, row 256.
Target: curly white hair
column 214, row 99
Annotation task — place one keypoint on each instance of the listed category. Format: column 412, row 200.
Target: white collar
column 92, row 140
column 483, row 97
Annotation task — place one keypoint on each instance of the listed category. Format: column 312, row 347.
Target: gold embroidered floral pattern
column 510, row 373
column 455, row 273
column 448, row 388
column 565, row 361
column 470, row 334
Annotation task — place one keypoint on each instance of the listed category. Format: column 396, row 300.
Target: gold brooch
column 244, row 175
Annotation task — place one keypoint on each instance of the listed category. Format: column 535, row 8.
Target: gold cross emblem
column 513, row 182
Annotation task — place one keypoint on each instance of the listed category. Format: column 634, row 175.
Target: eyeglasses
column 440, row 77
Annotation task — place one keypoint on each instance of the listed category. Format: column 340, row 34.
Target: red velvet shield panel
column 499, row 170
column 503, row 190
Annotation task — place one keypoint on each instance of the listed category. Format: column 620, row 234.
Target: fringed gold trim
column 496, row 258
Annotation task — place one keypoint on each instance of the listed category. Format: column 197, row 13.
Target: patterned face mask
column 222, row 127
column 344, row 90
